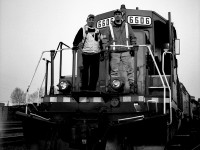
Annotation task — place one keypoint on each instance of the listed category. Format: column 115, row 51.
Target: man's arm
column 133, row 39
column 78, row 38
column 106, row 38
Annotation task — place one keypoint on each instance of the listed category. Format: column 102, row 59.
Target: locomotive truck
column 112, row 117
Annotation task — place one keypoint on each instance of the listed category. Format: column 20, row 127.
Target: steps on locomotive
column 155, row 85
column 187, row 138
column 11, row 133
column 180, row 142
column 195, row 133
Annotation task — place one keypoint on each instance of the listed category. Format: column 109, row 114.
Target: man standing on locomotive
column 88, row 40
column 120, row 33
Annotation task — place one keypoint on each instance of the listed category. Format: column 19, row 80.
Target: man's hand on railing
column 133, row 49
column 105, row 47
column 102, row 56
column 79, row 46
column 75, row 48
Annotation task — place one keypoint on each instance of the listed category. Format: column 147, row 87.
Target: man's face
column 90, row 22
column 118, row 16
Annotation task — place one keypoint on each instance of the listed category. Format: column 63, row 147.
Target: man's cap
column 90, row 16
column 117, row 11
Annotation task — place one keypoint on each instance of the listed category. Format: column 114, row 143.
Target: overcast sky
column 28, row 27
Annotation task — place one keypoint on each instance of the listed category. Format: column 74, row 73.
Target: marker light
column 166, row 46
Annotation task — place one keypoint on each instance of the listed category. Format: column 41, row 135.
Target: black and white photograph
column 100, row 75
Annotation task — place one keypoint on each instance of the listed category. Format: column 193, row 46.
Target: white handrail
column 164, row 96
column 63, row 49
column 170, row 102
column 148, row 47
column 128, row 46
column 131, row 118
column 27, row 91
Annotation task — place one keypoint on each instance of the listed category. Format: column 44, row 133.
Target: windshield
column 67, row 58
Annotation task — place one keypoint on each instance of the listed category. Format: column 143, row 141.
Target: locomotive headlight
column 117, row 84
column 64, row 86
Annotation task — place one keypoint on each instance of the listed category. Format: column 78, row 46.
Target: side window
column 147, row 37
column 161, row 37
column 66, row 63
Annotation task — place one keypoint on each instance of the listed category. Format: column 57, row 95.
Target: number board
column 133, row 20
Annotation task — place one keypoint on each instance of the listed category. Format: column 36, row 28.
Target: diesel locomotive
column 112, row 117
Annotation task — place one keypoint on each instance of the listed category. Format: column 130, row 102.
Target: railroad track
column 11, row 133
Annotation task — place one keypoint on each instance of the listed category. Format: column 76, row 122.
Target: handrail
column 60, row 46
column 132, row 118
column 148, row 47
column 63, row 49
column 27, row 91
column 164, row 102
column 129, row 46
column 170, row 102
column 26, row 110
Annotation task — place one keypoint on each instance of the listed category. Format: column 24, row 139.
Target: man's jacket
column 119, row 36
column 90, row 39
